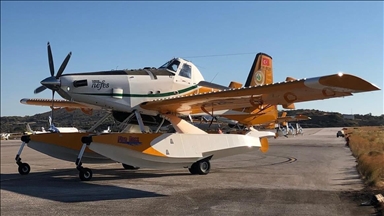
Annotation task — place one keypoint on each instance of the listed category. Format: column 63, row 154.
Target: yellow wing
column 318, row 88
column 68, row 105
column 292, row 118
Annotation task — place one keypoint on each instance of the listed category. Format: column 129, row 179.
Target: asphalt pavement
column 308, row 174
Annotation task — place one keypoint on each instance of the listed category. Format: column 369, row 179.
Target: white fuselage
column 124, row 90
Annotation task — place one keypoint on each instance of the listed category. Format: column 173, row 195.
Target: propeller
column 53, row 82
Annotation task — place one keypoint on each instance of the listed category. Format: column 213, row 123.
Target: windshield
column 171, row 65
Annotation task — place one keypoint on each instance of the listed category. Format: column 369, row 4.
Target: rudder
column 261, row 72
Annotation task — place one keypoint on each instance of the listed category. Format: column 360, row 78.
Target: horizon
column 305, row 39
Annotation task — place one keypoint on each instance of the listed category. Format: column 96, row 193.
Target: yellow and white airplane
column 283, row 126
column 157, row 95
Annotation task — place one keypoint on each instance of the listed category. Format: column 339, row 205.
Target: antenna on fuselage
column 214, row 77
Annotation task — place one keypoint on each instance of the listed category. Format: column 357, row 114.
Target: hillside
column 334, row 119
column 62, row 118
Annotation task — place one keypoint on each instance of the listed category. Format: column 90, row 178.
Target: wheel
column 24, row 169
column 193, row 169
column 129, row 167
column 200, row 167
column 85, row 174
column 203, row 167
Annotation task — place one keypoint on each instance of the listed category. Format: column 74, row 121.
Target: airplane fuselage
column 124, row 90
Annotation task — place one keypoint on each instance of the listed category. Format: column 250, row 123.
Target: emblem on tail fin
column 265, row 62
column 259, row 77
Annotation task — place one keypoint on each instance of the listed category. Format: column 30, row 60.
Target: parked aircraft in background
column 5, row 136
column 52, row 129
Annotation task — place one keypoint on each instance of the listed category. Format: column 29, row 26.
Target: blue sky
column 305, row 39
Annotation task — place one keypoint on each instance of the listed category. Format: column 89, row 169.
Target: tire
column 193, row 169
column 85, row 174
column 24, row 169
column 129, row 167
column 203, row 167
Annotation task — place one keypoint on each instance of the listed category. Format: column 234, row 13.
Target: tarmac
column 310, row 174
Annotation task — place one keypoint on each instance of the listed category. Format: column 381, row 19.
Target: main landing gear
column 24, row 168
column 85, row 174
column 201, row 167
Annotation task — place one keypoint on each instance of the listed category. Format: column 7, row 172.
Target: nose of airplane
column 51, row 82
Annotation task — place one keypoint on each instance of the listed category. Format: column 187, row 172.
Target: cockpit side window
column 185, row 71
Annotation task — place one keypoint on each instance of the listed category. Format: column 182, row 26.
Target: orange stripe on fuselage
column 67, row 140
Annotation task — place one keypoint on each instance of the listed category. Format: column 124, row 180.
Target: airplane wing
column 318, row 88
column 292, row 118
column 68, row 105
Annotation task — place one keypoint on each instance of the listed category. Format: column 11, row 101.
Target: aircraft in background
column 5, row 136
column 158, row 96
column 284, row 127
column 52, row 129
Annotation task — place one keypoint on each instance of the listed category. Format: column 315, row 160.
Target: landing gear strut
column 200, row 167
column 24, row 168
column 85, row 174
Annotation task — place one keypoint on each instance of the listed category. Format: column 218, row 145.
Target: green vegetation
column 333, row 119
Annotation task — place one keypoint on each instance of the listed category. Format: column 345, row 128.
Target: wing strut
column 140, row 121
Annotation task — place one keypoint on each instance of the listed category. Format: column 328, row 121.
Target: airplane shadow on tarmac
column 65, row 186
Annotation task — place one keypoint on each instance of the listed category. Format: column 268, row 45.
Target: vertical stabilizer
column 261, row 71
column 28, row 127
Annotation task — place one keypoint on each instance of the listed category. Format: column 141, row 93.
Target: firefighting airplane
column 157, row 95
column 284, row 128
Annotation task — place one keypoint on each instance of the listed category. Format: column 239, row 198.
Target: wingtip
column 348, row 81
column 24, row 100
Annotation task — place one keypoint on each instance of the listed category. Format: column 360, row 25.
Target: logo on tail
column 259, row 77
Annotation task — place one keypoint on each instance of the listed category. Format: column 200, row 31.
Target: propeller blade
column 50, row 60
column 39, row 89
column 51, row 119
column 63, row 65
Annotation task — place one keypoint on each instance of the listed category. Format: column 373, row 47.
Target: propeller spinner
column 53, row 82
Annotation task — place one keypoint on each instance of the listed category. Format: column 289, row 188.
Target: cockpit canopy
column 172, row 65
column 184, row 69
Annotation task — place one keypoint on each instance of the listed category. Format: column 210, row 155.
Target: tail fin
column 261, row 71
column 28, row 127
